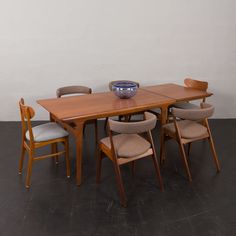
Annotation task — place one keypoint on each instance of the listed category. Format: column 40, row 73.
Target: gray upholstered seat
column 47, row 132
column 128, row 145
column 188, row 129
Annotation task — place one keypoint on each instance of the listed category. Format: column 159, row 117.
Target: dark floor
column 56, row 206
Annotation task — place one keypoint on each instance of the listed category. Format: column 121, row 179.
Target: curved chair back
column 196, row 84
column 27, row 113
column 114, row 81
column 206, row 111
column 134, row 127
column 73, row 90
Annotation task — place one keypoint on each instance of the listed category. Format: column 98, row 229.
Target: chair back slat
column 73, row 90
column 27, row 113
column 134, row 127
column 196, row 84
column 205, row 111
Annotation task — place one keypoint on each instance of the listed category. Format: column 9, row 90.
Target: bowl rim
column 124, row 84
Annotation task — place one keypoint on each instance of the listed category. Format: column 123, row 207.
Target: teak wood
column 27, row 113
column 197, row 84
column 178, row 134
column 194, row 84
column 127, row 118
column 100, row 105
column 110, row 149
column 73, row 112
column 78, row 90
column 178, row 92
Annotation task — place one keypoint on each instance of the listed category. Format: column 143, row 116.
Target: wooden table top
column 177, row 92
column 100, row 105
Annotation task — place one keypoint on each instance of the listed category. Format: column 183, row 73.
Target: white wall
column 51, row 43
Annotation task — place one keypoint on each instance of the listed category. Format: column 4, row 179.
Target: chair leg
column 67, row 157
column 53, row 146
column 54, row 150
column 29, row 171
column 105, row 124
column 158, row 172
column 120, row 185
column 99, row 166
column 127, row 118
column 189, row 148
column 185, row 162
column 210, row 139
column 162, row 147
column 21, row 158
column 96, row 130
column 133, row 168
column 214, row 153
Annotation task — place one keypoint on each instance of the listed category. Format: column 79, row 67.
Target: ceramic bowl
column 124, row 89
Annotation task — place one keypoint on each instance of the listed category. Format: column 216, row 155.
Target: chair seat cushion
column 47, row 132
column 128, row 145
column 188, row 129
column 185, row 105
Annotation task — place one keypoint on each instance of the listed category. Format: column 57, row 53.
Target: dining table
column 73, row 112
column 178, row 92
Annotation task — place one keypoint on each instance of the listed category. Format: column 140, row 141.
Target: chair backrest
column 205, row 111
column 75, row 89
column 27, row 113
column 196, row 84
column 114, row 81
column 134, row 127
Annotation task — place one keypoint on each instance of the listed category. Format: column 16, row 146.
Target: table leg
column 164, row 116
column 78, row 132
column 53, row 146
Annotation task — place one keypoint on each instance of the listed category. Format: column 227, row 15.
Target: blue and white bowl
column 124, row 89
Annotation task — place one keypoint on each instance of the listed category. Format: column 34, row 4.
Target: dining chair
column 78, row 90
column 195, row 84
column 126, row 117
column 189, row 126
column 128, row 146
column 38, row 137
column 74, row 89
